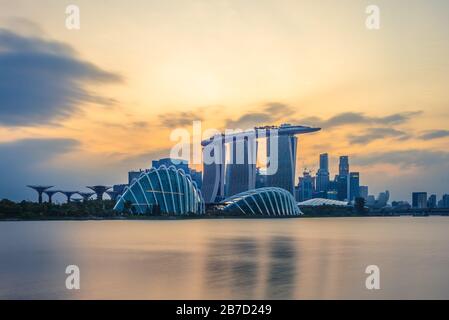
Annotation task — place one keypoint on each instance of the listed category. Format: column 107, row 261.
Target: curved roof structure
column 269, row 201
column 162, row 190
column 322, row 202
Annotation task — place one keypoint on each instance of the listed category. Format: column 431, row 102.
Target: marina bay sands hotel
column 221, row 180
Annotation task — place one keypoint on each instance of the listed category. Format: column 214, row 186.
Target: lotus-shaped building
column 270, row 201
column 162, row 190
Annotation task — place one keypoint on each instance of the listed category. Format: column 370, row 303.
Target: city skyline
column 106, row 104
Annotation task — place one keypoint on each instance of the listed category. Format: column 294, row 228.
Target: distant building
column 419, row 200
column 432, row 201
column 305, row 187
column 322, row 177
column 285, row 175
column 363, row 192
column 343, row 168
column 119, row 188
column 444, row 202
column 134, row 175
column 354, row 185
column 332, row 195
column 241, row 171
column 343, row 179
column 380, row 202
column 342, row 187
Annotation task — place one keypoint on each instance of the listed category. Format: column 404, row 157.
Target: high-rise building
column 354, row 185
column 343, row 168
column 343, row 179
column 432, row 201
column 305, row 187
column 213, row 172
column 444, row 202
column 363, row 192
column 419, row 200
column 285, row 174
column 241, row 171
column 322, row 177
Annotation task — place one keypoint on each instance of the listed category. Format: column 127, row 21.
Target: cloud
column 22, row 162
column 271, row 112
column 373, row 134
column 436, row 134
column 42, row 81
column 404, row 158
column 179, row 119
column 354, row 118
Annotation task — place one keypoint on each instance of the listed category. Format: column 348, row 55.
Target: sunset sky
column 82, row 107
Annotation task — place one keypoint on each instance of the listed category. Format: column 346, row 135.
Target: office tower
column 213, row 172
column 305, row 187
column 432, row 201
column 354, row 185
column 342, row 187
column 241, row 171
column 286, row 157
column 322, row 177
column 343, row 168
column 343, row 179
column 419, row 200
column 363, row 192
column 444, row 202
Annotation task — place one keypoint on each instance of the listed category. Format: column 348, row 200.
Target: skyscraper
column 354, row 185
column 343, row 179
column 444, row 202
column 343, row 168
column 241, row 171
column 432, row 201
column 322, row 177
column 419, row 200
column 363, row 192
column 305, row 187
column 213, row 172
column 285, row 175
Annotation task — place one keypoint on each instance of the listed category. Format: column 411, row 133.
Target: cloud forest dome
column 165, row 190
column 269, row 201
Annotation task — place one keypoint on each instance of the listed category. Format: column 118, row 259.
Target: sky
column 83, row 107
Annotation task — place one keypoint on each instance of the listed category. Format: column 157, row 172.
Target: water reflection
column 282, row 268
column 247, row 268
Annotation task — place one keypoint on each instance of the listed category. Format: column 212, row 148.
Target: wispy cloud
column 355, row 118
column 373, row 134
column 404, row 158
column 42, row 80
column 435, row 134
column 179, row 119
column 269, row 114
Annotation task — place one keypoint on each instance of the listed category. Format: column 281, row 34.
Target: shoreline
column 180, row 218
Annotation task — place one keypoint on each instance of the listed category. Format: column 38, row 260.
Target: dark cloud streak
column 43, row 81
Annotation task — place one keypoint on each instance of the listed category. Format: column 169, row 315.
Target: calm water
column 231, row 259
